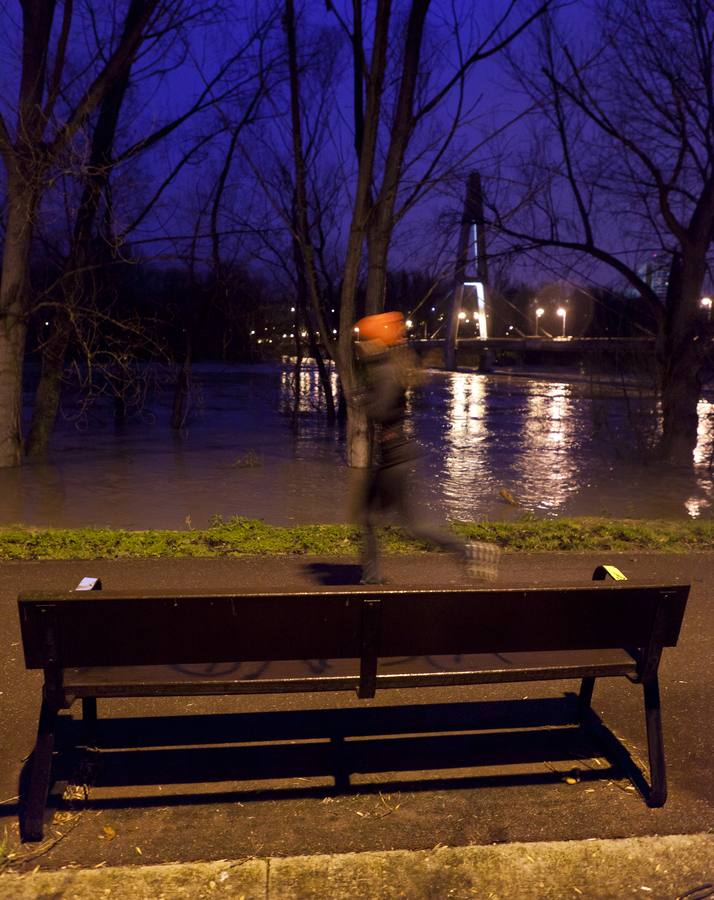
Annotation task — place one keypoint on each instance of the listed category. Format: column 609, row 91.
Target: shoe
column 482, row 560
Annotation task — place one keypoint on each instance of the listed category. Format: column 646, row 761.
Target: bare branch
column 6, row 147
column 115, row 66
column 483, row 51
column 58, row 68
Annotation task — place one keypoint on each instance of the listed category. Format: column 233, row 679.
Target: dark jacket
column 385, row 405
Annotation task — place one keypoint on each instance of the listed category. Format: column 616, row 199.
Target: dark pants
column 392, row 487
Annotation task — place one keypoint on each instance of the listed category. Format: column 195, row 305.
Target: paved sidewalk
column 277, row 804
column 664, row 868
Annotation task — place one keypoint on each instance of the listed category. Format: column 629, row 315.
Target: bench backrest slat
column 532, row 620
column 111, row 629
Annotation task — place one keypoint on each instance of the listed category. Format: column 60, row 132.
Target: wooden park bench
column 94, row 644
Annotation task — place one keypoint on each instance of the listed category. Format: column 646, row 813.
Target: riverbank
column 252, row 537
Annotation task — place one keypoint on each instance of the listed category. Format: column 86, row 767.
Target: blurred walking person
column 389, row 368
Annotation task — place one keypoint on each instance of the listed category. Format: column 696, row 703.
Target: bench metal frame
column 92, row 645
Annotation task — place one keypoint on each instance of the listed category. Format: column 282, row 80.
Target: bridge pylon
column 471, row 270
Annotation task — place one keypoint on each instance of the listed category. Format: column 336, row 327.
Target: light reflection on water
column 242, row 454
column 310, row 396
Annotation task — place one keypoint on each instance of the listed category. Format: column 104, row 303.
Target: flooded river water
column 550, row 444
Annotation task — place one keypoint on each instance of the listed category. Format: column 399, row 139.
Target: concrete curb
column 664, row 868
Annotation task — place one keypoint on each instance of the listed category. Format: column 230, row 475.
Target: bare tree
column 53, row 113
column 305, row 255
column 624, row 167
column 387, row 123
column 403, row 126
column 32, row 150
column 78, row 267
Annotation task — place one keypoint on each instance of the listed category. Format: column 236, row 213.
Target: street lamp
column 707, row 304
column 562, row 312
column 538, row 313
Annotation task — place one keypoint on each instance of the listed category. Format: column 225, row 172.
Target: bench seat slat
column 342, row 674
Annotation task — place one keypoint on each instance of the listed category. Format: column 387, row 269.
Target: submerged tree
column 50, row 113
column 408, row 107
column 622, row 166
column 72, row 92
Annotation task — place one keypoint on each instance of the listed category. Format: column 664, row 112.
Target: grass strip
column 249, row 537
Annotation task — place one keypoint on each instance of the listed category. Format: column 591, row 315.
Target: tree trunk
column 359, row 444
column 680, row 355
column 49, row 389
column 13, row 323
column 297, row 369
column 180, row 410
column 325, row 380
column 367, row 127
column 12, row 345
column 379, row 223
column 377, row 257
column 303, row 249
column 680, row 398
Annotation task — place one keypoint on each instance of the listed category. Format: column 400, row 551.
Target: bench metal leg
column 655, row 745
column 89, row 709
column 339, row 769
column 585, row 697
column 89, row 719
column 40, row 774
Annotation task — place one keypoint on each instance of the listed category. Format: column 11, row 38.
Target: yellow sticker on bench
column 615, row 573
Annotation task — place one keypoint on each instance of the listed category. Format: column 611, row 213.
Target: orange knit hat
column 387, row 327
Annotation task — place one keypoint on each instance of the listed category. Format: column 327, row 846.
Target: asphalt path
column 264, row 789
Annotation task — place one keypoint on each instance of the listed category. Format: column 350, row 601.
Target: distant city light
column 462, row 315
column 562, row 312
column 409, row 323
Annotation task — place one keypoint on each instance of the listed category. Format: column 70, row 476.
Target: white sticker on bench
column 86, row 584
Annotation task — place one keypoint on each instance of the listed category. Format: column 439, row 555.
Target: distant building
column 654, row 271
